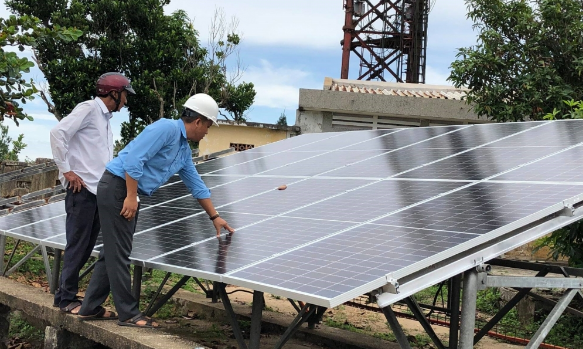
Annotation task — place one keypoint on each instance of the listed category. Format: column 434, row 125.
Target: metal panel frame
column 424, row 278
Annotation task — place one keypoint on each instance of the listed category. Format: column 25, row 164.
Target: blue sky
column 286, row 46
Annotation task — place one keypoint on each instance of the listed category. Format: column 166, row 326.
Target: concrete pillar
column 56, row 338
column 4, row 325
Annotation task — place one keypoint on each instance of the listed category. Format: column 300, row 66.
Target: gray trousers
column 112, row 268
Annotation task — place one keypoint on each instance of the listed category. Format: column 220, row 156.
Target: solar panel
column 359, row 207
column 479, row 163
column 566, row 167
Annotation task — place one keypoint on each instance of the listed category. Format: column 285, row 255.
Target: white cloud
column 435, row 76
column 36, row 137
column 302, row 23
column 277, row 86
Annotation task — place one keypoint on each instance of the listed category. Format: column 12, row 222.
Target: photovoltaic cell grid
column 358, row 205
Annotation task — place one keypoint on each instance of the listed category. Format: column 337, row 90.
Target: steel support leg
column 396, row 327
column 296, row 324
column 22, row 261
column 470, row 294
column 85, row 272
column 5, row 271
column 232, row 316
column 454, row 308
column 137, row 282
column 56, row 271
column 167, row 296
column 2, row 251
column 293, row 303
column 47, row 263
column 418, row 313
column 256, row 314
column 166, row 277
column 204, row 289
column 550, row 321
column 215, row 292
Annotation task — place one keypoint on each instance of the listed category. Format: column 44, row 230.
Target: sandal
column 71, row 306
column 133, row 322
column 100, row 315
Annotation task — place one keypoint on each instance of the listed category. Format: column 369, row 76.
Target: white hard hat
column 205, row 105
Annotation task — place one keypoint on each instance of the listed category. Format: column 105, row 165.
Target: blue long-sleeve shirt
column 157, row 153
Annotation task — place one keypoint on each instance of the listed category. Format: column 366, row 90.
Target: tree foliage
column 567, row 241
column 528, row 59
column 19, row 32
column 282, row 121
column 10, row 149
column 160, row 53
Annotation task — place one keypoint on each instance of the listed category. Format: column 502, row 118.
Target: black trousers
column 82, row 228
column 112, row 268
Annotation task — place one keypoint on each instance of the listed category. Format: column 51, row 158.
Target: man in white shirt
column 82, row 144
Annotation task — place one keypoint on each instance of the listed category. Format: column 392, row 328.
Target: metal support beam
column 5, row 270
column 256, row 314
column 167, row 296
column 293, row 303
column 220, row 287
column 532, row 282
column 22, row 261
column 454, row 308
column 137, row 282
column 54, row 286
column 166, row 277
column 204, row 289
column 396, row 327
column 502, row 312
column 468, row 322
column 550, row 321
column 47, row 265
column 418, row 313
column 2, row 251
column 215, row 292
column 89, row 269
column 296, row 324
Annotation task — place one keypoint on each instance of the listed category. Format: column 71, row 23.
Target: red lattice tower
column 388, row 36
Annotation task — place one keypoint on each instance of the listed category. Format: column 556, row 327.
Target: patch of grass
column 214, row 332
column 427, row 295
column 344, row 325
column 34, row 266
column 275, row 297
column 20, row 328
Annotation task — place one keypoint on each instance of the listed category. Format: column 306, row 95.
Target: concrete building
column 344, row 105
column 243, row 136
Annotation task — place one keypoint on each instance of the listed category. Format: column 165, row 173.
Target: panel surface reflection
column 374, row 200
column 483, row 207
column 251, row 244
column 351, row 259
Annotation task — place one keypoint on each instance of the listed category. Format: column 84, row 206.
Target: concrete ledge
column 278, row 323
column 38, row 304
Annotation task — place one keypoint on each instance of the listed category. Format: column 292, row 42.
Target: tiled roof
column 395, row 89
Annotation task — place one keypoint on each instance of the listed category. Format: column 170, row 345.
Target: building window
column 241, row 147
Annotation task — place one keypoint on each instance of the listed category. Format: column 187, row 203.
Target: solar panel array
column 358, row 205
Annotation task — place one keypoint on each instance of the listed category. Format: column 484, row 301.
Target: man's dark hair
column 189, row 116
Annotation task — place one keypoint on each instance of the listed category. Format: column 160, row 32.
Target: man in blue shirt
column 160, row 151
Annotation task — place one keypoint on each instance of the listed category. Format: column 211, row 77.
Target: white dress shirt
column 83, row 143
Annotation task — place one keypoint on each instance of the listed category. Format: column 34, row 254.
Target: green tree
column 567, row 241
column 160, row 53
column 528, row 58
column 14, row 88
column 282, row 121
column 6, row 152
